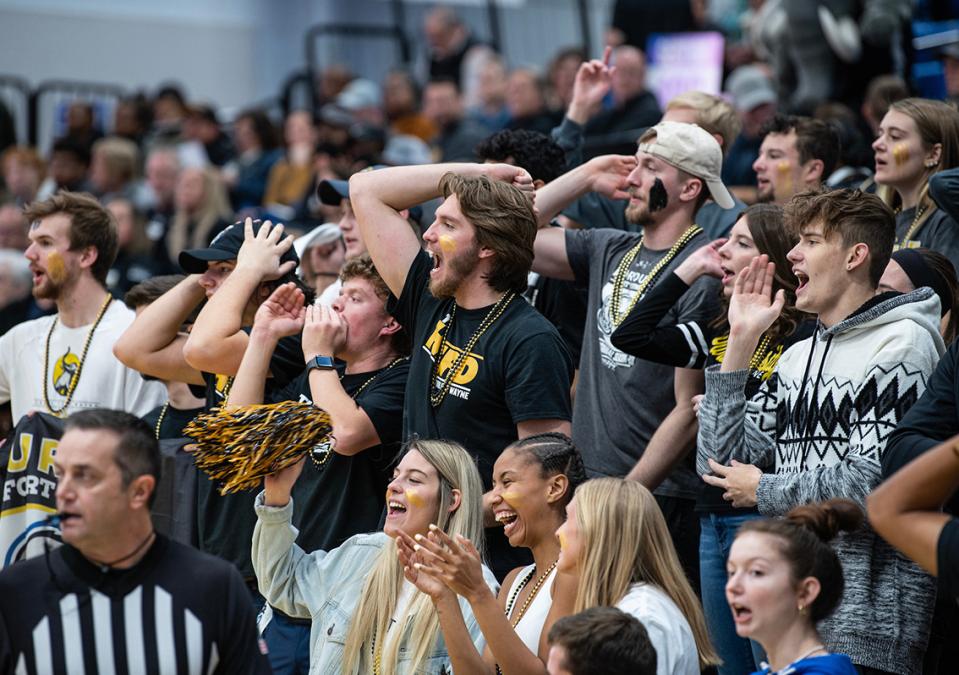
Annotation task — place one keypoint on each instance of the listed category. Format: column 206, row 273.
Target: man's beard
column 458, row 267
column 49, row 289
column 639, row 214
column 767, row 196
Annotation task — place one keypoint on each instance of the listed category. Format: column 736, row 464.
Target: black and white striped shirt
column 176, row 611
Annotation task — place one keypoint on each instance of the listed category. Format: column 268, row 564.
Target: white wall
column 236, row 52
column 108, row 42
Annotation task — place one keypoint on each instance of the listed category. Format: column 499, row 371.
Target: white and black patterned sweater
column 819, row 426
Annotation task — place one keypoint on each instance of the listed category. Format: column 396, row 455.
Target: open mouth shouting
column 395, row 509
column 728, row 275
column 741, row 613
column 437, row 263
column 508, row 519
column 803, row 280
column 38, row 275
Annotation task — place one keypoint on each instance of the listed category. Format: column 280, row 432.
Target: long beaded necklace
column 325, row 449
column 532, row 594
column 488, row 320
column 83, row 357
column 163, row 411
column 913, row 228
column 511, row 602
column 619, row 278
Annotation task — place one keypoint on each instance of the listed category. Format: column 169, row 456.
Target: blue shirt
column 830, row 664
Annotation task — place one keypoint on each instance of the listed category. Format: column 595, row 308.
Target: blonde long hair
column 194, row 231
column 625, row 541
column 457, row 471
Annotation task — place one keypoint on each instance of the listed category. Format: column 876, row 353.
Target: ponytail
column 805, row 534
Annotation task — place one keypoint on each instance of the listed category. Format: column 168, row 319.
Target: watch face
column 321, row 362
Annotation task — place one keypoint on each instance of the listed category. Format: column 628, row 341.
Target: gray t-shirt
column 621, row 400
column 939, row 233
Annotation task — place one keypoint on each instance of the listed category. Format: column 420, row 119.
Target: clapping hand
column 753, row 308
column 412, row 562
column 455, row 562
column 261, row 252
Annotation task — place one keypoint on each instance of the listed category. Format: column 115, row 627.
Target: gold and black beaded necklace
column 75, row 379
column 619, row 278
column 495, row 312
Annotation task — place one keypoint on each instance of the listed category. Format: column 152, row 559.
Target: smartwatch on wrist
column 321, row 363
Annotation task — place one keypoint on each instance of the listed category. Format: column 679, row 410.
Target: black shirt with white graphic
column 694, row 344
column 175, row 611
column 518, row 370
column 335, row 498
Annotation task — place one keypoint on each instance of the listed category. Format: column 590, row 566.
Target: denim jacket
column 325, row 586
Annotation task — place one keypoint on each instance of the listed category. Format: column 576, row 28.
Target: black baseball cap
column 225, row 246
column 332, row 192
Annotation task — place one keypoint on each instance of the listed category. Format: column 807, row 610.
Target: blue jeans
column 717, row 532
column 289, row 645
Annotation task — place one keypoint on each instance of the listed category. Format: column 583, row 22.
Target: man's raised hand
column 282, row 314
column 608, row 174
column 262, row 252
column 593, row 81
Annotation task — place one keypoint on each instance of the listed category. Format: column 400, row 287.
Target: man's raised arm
column 378, row 196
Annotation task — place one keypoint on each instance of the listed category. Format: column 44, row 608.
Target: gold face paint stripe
column 56, row 268
column 900, row 153
column 447, row 245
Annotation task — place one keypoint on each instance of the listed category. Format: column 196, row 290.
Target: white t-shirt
column 104, row 381
column 672, row 638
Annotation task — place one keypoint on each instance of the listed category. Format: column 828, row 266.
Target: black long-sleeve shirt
column 933, row 419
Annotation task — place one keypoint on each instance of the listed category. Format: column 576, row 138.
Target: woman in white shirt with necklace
column 533, row 480
column 615, row 543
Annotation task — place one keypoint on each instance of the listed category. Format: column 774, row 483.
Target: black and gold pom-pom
column 237, row 445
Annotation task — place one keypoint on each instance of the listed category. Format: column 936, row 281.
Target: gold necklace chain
column 914, row 227
column 529, row 598
column 488, row 321
column 325, row 449
column 156, row 430
column 532, row 594
column 75, row 379
column 619, row 278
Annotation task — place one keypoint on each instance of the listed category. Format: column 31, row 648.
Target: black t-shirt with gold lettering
column 518, row 370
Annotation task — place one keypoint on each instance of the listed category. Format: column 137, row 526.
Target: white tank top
column 530, row 626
